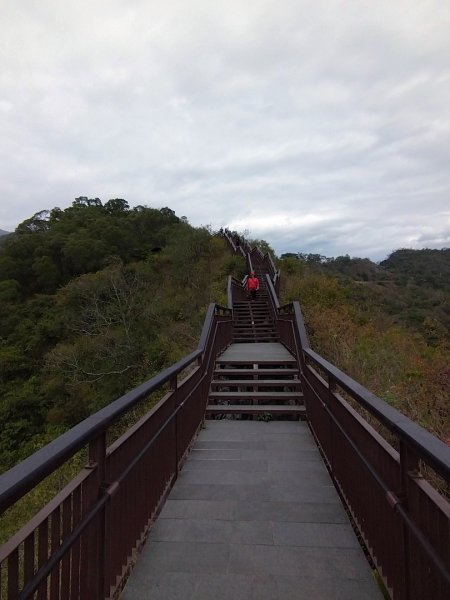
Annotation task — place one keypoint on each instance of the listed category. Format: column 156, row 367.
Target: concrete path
column 253, row 516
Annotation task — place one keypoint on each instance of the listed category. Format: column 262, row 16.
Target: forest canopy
column 95, row 299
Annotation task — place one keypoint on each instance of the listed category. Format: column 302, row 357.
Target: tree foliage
column 390, row 336
column 94, row 299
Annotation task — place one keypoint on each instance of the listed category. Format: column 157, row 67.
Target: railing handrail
column 230, row 240
column 432, row 450
column 272, row 293
column 23, row 477
column 249, row 262
column 257, row 250
column 271, row 263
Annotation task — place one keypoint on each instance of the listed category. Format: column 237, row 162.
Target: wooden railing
column 403, row 520
column 81, row 544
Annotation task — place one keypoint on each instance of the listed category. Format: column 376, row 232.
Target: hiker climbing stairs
column 256, row 374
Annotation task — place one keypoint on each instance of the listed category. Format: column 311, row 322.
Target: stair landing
column 253, row 516
column 269, row 352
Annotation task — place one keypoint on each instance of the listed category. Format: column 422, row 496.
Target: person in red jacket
column 252, row 285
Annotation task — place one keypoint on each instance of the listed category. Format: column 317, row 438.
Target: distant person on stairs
column 252, row 285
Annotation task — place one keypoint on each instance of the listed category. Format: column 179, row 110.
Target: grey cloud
column 250, row 113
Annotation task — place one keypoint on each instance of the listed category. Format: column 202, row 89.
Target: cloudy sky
column 320, row 126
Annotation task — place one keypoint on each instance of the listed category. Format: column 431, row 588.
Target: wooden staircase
column 256, row 375
column 256, row 388
column 252, row 320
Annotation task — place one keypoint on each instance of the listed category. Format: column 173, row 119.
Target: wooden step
column 256, row 382
column 256, row 333
column 287, row 363
column 253, row 311
column 214, row 409
column 256, row 395
column 257, row 327
column 252, row 371
column 251, row 307
column 260, row 323
column 247, row 339
column 250, row 340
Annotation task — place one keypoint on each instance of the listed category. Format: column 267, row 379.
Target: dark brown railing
column 403, row 520
column 235, row 290
column 239, row 245
column 81, row 544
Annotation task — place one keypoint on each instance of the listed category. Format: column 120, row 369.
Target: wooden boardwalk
column 253, row 516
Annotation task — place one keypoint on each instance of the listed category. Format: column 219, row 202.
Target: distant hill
column 411, row 286
column 4, row 232
column 423, row 267
column 386, row 325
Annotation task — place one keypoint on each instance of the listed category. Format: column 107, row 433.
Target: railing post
column 409, row 463
column 330, row 401
column 173, row 387
column 95, row 555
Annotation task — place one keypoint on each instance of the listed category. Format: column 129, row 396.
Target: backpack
column 252, row 283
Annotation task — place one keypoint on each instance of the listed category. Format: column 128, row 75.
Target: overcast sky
column 318, row 125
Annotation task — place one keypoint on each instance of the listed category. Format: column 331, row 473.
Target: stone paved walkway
column 252, row 516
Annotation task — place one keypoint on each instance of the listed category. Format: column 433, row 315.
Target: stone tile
column 220, row 492
column 198, row 509
column 185, row 557
column 320, row 535
column 307, row 588
column 320, row 563
column 212, row 531
column 295, row 443
column 228, row 435
column 192, row 530
column 252, row 532
column 280, row 454
column 296, row 463
column 295, row 437
column 210, row 453
column 222, row 477
column 231, row 586
column 274, row 427
column 298, row 492
column 290, row 512
column 226, row 444
column 310, row 474
column 251, row 466
column 159, row 586
column 223, row 587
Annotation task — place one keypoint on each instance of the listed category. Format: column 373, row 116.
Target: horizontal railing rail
column 431, row 449
column 20, row 479
column 81, row 543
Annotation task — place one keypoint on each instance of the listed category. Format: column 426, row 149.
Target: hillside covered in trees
column 94, row 300
column 387, row 325
column 99, row 297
